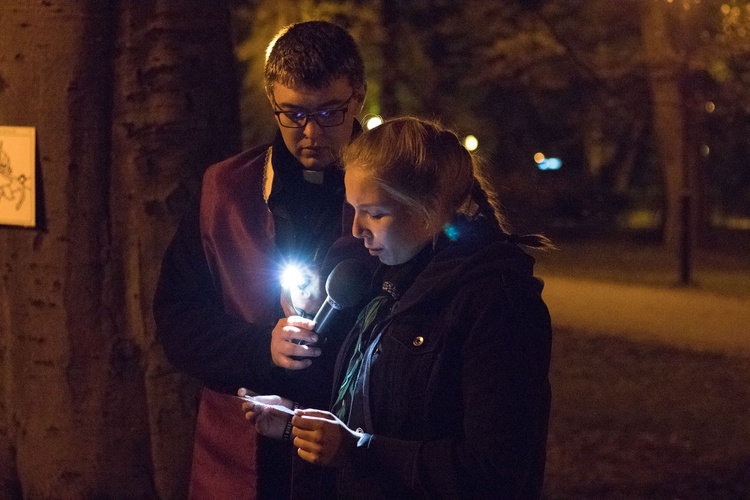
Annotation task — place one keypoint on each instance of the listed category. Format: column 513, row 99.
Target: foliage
column 565, row 77
column 725, row 60
column 257, row 22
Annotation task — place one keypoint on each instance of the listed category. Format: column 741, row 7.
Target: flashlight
column 295, row 279
column 293, row 276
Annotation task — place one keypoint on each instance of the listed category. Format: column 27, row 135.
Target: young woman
column 442, row 388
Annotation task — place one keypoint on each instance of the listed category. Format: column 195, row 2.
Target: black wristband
column 287, row 436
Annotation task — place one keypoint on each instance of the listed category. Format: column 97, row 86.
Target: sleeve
column 499, row 447
column 222, row 351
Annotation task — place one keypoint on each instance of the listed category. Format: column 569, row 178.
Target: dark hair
column 424, row 166
column 313, row 54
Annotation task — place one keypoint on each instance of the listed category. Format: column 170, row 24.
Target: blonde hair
column 419, row 164
column 424, row 166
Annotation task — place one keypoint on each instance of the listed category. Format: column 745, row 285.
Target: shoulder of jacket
column 249, row 158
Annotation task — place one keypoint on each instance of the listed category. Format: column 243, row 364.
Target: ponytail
column 489, row 206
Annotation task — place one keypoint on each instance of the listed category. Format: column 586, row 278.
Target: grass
column 721, row 266
column 634, row 420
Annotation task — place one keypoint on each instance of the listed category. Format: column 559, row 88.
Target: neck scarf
column 350, row 404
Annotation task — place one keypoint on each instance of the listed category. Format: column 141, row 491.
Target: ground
column 640, row 420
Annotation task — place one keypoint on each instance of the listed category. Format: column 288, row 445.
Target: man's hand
column 284, row 350
column 322, row 438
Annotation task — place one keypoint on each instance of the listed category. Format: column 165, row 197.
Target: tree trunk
column 130, row 103
column 389, row 69
column 664, row 71
column 624, row 172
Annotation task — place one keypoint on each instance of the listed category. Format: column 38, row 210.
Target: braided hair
column 425, row 167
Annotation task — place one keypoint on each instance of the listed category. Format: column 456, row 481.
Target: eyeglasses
column 326, row 118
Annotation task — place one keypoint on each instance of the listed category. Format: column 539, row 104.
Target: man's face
column 314, row 146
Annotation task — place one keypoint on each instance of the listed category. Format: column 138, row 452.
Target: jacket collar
column 456, row 261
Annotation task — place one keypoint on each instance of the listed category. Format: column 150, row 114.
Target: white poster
column 17, row 186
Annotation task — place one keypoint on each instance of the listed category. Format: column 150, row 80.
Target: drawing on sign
column 11, row 188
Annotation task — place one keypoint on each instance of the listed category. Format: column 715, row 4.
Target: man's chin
column 315, row 164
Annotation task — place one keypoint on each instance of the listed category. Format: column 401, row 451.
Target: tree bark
column 175, row 112
column 664, row 72
column 389, row 69
column 131, row 102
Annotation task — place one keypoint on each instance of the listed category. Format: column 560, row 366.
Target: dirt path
column 688, row 318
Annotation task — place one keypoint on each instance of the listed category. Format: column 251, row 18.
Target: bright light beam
column 293, row 276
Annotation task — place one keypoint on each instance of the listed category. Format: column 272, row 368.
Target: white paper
column 281, row 408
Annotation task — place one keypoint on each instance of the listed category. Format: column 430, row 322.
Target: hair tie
column 529, row 240
column 512, row 238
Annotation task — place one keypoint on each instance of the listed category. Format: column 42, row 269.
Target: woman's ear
column 435, row 223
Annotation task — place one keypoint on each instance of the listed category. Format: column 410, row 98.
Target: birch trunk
column 131, row 102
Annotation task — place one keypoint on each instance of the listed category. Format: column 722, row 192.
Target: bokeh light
column 373, row 122
column 471, row 143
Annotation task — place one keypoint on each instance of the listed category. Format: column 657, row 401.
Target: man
column 218, row 295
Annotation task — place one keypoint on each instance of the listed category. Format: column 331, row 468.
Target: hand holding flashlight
column 291, row 343
column 302, row 291
column 345, row 287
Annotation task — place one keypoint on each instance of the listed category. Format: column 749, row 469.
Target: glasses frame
column 343, row 109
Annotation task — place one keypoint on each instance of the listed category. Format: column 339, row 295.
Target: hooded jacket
column 458, row 397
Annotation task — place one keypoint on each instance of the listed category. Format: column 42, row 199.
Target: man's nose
column 312, row 129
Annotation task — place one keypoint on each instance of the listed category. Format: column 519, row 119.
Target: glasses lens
column 292, row 120
column 330, row 118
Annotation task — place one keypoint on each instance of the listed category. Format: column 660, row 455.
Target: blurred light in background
column 544, row 163
column 550, row 164
column 642, row 219
column 373, row 122
column 471, row 143
column 710, row 107
column 705, row 150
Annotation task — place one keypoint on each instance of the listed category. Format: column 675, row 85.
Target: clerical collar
column 314, row 176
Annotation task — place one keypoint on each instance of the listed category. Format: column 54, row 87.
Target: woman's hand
column 268, row 421
column 284, row 346
column 322, row 438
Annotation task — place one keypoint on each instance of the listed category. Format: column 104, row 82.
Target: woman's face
column 389, row 230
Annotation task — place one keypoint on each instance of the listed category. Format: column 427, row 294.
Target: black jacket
column 217, row 301
column 459, row 394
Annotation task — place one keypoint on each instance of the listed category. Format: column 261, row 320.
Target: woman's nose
column 357, row 229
